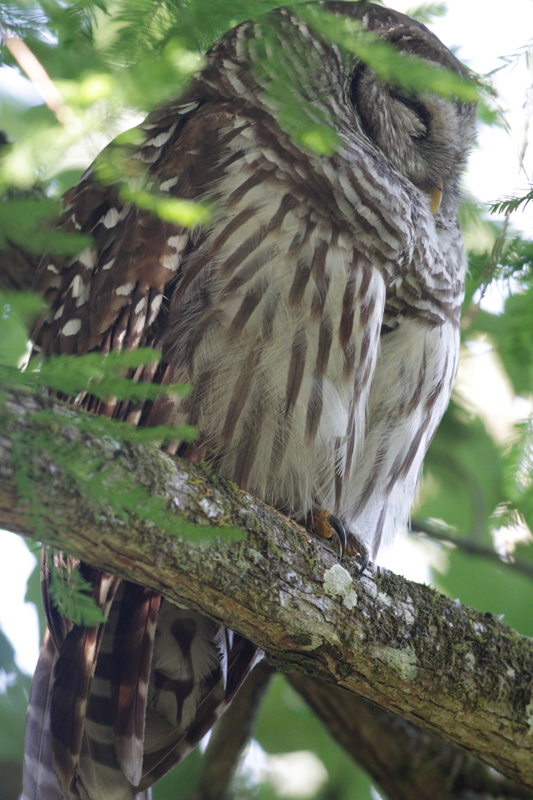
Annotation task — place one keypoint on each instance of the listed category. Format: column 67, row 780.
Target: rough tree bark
column 453, row 671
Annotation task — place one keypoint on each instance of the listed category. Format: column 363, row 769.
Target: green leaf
column 511, row 333
column 511, row 204
column 413, row 74
column 286, row 724
column 518, row 472
column 33, row 591
column 463, row 478
column 71, row 595
column 26, row 223
column 7, row 654
column 13, row 706
column 17, row 310
column 427, row 12
column 180, row 782
column 180, row 212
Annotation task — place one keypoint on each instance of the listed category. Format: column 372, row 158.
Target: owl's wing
column 113, row 707
column 112, row 295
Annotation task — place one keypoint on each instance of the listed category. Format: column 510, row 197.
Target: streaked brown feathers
column 316, row 315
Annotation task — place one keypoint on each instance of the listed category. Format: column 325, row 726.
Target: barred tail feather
column 166, row 745
column 132, row 658
column 73, row 675
column 39, row 777
column 115, row 706
column 98, row 773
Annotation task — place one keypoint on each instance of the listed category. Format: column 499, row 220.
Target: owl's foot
column 328, row 527
column 357, row 548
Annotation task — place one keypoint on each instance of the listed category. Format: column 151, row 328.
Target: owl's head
column 427, row 137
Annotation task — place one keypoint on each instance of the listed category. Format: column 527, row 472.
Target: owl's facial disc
column 426, row 138
column 412, row 114
column 415, row 120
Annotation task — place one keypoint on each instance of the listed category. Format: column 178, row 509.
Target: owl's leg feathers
column 328, row 526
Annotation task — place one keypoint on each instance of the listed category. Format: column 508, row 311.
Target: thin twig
column 37, row 74
column 467, row 545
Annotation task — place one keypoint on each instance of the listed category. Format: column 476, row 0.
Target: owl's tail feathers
column 73, row 684
column 39, row 777
column 83, row 697
column 132, row 649
column 213, row 695
column 122, row 703
column 114, row 724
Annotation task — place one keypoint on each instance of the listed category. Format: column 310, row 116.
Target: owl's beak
column 435, row 196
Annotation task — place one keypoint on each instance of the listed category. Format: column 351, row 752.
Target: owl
column 316, row 316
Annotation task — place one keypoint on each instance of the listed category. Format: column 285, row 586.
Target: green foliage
column 71, row 595
column 14, row 689
column 305, row 121
column 24, row 222
column 477, row 487
column 17, row 310
column 286, row 724
column 511, row 333
column 115, row 167
column 147, row 24
column 427, row 12
column 181, row 212
column 462, row 475
column 411, row 73
column 111, row 64
column 471, row 483
column 518, row 474
column 490, row 587
column 13, row 703
column 180, row 783
column 102, row 376
column 511, row 205
column 33, row 587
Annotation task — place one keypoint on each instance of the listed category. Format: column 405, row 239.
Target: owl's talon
column 340, row 532
column 328, row 527
column 357, row 548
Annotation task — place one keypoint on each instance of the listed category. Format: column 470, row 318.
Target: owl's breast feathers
column 316, row 317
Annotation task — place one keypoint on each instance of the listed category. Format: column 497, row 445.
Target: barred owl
column 316, row 315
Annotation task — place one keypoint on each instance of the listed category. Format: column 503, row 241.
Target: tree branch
column 404, row 761
column 468, row 545
column 455, row 672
